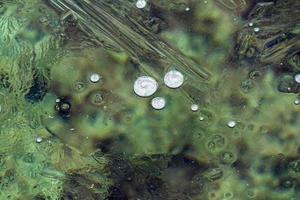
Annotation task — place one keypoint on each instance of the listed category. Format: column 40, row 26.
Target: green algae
column 110, row 143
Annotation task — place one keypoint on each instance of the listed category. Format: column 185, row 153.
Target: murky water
column 149, row 99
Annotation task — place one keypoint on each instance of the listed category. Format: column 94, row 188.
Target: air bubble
column 297, row 78
column 65, row 107
column 226, row 157
column 141, row 4
column 94, row 78
column 231, row 124
column 256, row 29
column 145, row 86
column 158, row 103
column 173, row 79
column 39, row 140
column 194, row 107
column 79, row 86
column 96, row 99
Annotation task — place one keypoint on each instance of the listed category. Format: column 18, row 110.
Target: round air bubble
column 173, row 79
column 158, row 103
column 145, row 86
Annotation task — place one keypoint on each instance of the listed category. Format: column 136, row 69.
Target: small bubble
column 194, row 107
column 297, row 101
column 96, row 99
column 256, row 29
column 141, row 4
column 226, row 157
column 158, row 103
column 201, row 118
column 94, row 78
column 79, row 86
column 297, row 78
column 250, row 24
column 39, row 139
column 173, row 79
column 65, row 107
column 145, row 86
column 187, row 9
column 231, row 124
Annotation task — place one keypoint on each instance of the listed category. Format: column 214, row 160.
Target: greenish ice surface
column 79, row 113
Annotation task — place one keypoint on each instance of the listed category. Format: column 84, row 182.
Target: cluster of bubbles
column 63, row 106
column 146, row 86
column 255, row 29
